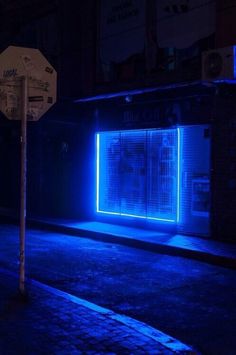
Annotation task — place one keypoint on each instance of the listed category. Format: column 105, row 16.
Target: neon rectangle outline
column 178, row 176
column 136, row 216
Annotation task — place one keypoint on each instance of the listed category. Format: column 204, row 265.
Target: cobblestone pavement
column 50, row 323
column 187, row 299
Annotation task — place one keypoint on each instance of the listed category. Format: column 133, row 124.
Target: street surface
column 189, row 300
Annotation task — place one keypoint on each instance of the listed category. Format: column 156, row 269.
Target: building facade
column 144, row 129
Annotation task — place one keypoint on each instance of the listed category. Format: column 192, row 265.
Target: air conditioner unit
column 219, row 64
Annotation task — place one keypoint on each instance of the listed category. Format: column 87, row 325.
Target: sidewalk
column 54, row 322
column 202, row 249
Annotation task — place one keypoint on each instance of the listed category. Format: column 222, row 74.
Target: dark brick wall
column 223, row 221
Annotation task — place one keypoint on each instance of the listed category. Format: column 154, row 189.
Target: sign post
column 23, row 142
column 27, row 91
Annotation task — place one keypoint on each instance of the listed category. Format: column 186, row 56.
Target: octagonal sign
column 18, row 62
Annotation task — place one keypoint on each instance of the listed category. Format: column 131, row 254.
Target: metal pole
column 24, row 104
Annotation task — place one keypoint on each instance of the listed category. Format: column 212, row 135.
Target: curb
column 161, row 248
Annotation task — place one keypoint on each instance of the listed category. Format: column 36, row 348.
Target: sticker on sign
column 18, row 62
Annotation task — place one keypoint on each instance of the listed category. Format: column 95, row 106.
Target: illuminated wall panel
column 133, row 174
column 195, row 182
column 138, row 173
column 162, row 174
column 108, row 172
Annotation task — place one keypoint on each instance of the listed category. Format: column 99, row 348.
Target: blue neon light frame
column 125, row 205
column 178, row 174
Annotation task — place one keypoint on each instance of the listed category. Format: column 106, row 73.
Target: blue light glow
column 178, row 175
column 140, row 91
column 132, row 215
column 114, row 213
column 138, row 174
column 97, row 169
column 225, row 81
column 130, row 93
column 161, row 219
column 136, row 216
column 194, row 172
